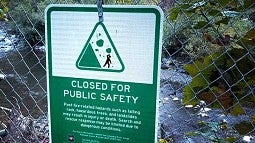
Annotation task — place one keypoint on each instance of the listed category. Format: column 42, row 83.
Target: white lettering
column 89, row 85
column 118, row 98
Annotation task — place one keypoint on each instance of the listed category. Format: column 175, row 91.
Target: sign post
column 103, row 77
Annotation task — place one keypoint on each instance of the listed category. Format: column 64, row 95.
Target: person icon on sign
column 108, row 61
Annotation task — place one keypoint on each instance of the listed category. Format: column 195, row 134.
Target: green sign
column 103, row 77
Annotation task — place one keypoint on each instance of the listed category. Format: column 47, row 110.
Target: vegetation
column 3, row 9
column 223, row 80
column 220, row 37
column 213, row 131
column 27, row 16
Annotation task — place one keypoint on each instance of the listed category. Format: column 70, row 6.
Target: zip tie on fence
column 100, row 10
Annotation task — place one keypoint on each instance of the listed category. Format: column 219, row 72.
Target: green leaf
column 223, row 21
column 189, row 96
column 250, row 34
column 192, row 133
column 223, row 3
column 189, row 12
column 191, row 69
column 174, row 12
column 3, row 9
column 235, row 3
column 185, row 6
column 215, row 12
column 231, row 139
column 162, row 141
column 201, row 24
column 244, row 127
column 248, row 4
column 207, row 60
column 253, row 119
column 198, row 81
column 237, row 110
column 246, row 43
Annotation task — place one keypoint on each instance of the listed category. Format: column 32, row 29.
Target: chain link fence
column 207, row 73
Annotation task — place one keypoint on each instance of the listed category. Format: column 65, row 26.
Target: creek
column 23, row 70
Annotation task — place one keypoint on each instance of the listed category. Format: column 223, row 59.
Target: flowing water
column 24, row 83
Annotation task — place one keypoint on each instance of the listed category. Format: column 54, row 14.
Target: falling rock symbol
column 99, row 52
column 100, row 43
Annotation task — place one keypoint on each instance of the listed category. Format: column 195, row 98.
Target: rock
column 7, row 41
column 41, row 129
column 166, row 100
column 39, row 48
column 188, row 106
column 175, row 78
column 247, row 139
column 188, row 140
column 20, row 128
column 175, row 99
column 164, row 66
column 2, row 76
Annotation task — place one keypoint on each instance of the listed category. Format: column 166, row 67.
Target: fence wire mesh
column 207, row 85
